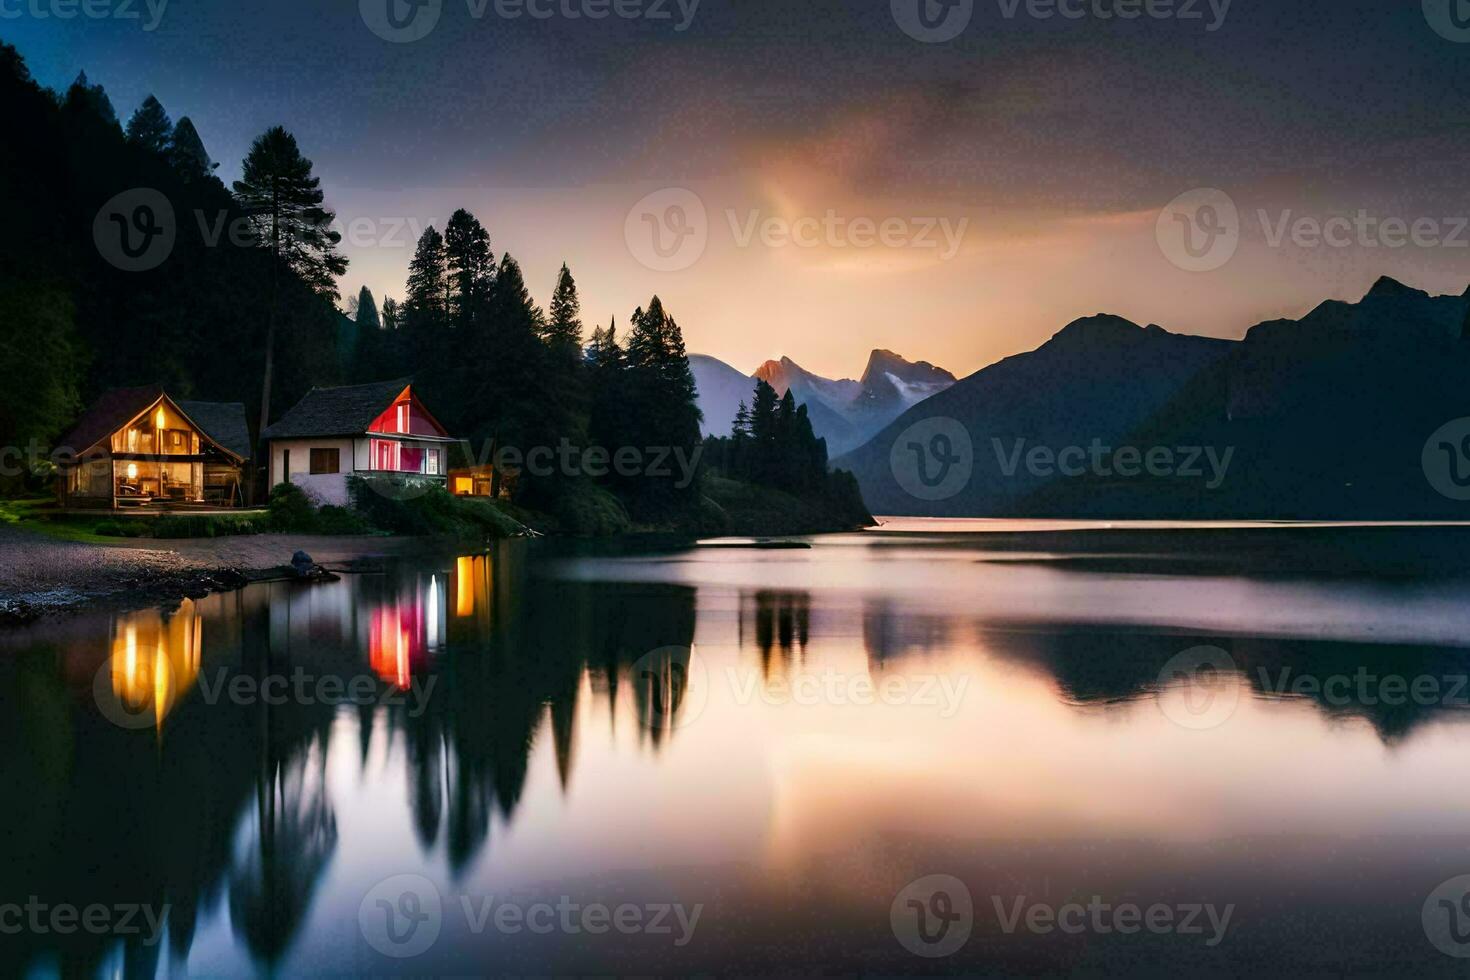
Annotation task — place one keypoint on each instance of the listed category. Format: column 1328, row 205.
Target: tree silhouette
column 150, row 127
column 283, row 201
column 186, row 151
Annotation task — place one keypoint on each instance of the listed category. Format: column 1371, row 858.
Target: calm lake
column 994, row 747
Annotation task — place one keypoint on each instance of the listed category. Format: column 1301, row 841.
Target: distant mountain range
column 844, row 412
column 1329, row 416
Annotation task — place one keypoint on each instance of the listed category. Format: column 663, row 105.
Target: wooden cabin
column 139, row 448
column 378, row 429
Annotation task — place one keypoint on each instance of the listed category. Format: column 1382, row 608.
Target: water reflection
column 229, row 802
column 442, row 688
column 155, row 660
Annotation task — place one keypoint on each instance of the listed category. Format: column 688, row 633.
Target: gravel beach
column 41, row 575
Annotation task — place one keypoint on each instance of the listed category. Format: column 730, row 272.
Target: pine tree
column 660, row 406
column 283, row 201
column 507, row 391
column 424, row 303
column 186, row 151
column 565, row 375
column 564, row 327
column 390, row 314
column 470, row 266
column 740, row 429
column 88, row 98
column 150, row 128
column 367, row 311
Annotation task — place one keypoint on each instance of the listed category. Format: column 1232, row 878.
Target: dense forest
column 244, row 307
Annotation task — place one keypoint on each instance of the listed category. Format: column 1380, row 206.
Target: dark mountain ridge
column 1322, row 417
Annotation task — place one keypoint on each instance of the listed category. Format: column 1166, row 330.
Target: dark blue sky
column 1035, row 127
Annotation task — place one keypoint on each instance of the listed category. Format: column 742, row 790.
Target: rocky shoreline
column 42, row 577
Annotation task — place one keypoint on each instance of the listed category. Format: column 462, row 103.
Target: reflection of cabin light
column 432, row 623
column 132, row 471
column 158, row 419
column 464, row 596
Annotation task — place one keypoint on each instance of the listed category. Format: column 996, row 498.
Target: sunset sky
column 1051, row 143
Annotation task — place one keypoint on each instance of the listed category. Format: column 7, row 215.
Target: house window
column 404, row 423
column 325, row 461
column 431, row 462
column 385, row 455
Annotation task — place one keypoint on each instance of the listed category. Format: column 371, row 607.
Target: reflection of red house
column 334, row 433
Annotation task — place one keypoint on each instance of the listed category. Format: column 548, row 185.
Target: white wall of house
column 330, row 488
column 354, row 456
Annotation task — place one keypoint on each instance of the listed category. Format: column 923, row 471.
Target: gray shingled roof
column 224, row 422
column 112, row 410
column 336, row 411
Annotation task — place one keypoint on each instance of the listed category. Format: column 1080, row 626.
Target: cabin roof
column 347, row 411
column 220, row 422
column 224, row 422
column 110, row 412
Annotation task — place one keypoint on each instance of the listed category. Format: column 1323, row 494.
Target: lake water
column 995, row 747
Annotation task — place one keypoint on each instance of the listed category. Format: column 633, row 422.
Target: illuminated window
column 431, row 462
column 464, row 486
column 404, row 423
column 385, row 455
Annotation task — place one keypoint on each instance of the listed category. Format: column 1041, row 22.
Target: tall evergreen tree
column 283, row 201
column 470, row 266
column 186, row 151
column 424, row 298
column 565, row 375
column 150, row 128
column 390, row 314
column 661, row 409
column 367, row 311
column 83, row 96
column 564, row 325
